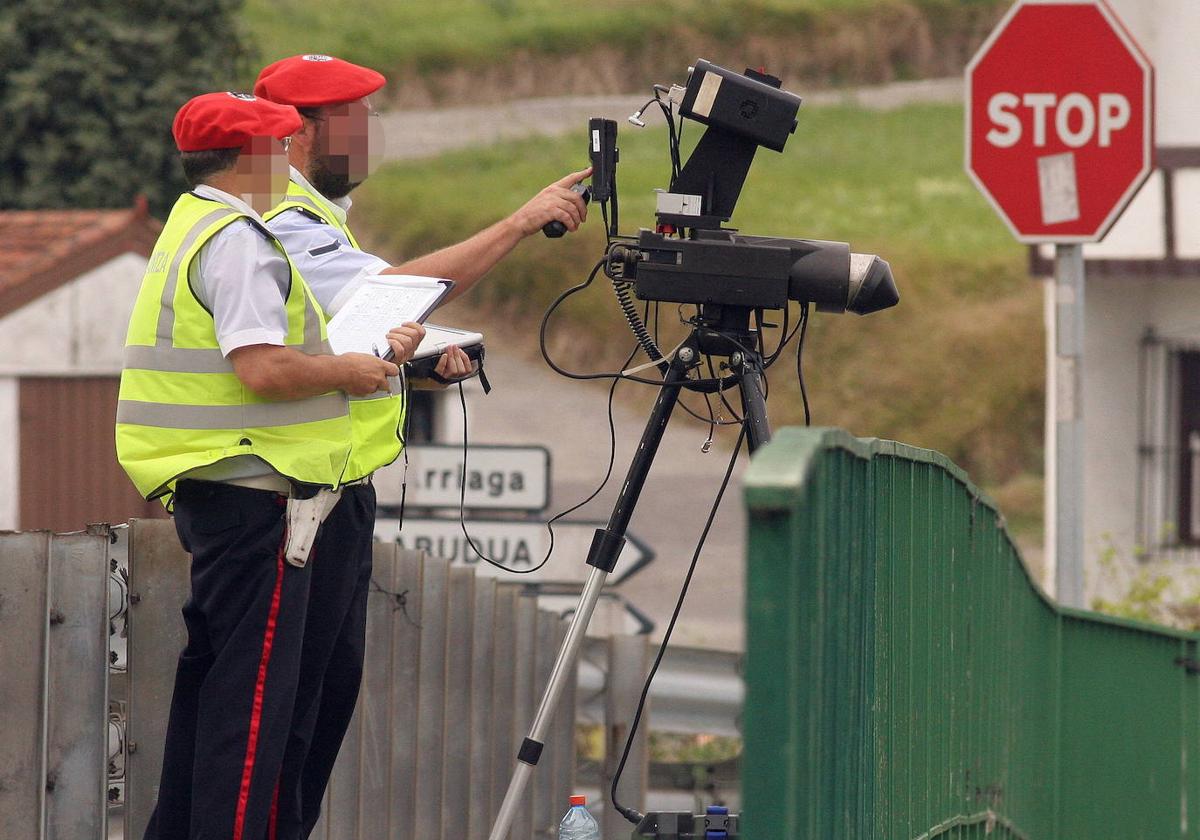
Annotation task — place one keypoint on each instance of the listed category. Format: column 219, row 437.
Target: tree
column 88, row 92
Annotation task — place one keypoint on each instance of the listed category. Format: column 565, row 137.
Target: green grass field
column 400, row 36
column 957, row 366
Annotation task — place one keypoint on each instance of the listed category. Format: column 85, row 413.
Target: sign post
column 1068, row 424
column 1059, row 138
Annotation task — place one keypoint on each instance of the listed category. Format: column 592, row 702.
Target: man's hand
column 555, row 202
column 454, row 364
column 363, row 375
column 404, row 340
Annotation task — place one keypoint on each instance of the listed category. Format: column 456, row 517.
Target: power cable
column 632, row 814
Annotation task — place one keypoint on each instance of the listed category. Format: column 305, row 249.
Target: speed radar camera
column 732, row 279
column 689, row 256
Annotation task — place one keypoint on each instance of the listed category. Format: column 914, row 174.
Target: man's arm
column 466, row 262
column 284, row 373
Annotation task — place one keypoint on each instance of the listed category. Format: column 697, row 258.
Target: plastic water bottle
column 578, row 824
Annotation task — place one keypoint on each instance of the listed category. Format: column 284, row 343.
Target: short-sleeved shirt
column 328, row 262
column 242, row 279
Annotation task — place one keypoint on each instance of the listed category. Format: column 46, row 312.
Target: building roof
column 41, row 250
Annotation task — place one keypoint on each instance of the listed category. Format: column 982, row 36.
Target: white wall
column 77, row 329
column 1118, row 312
column 1168, row 31
column 9, row 454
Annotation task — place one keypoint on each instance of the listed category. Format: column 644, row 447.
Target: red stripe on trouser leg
column 274, row 813
column 256, row 710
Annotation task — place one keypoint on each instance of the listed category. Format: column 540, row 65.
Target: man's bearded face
column 347, row 147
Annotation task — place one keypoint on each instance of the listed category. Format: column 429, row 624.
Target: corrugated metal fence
column 906, row 679
column 455, row 665
column 53, row 684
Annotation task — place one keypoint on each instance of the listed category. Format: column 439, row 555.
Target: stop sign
column 1059, row 119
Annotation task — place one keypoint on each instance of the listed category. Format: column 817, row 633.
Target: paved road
column 427, row 132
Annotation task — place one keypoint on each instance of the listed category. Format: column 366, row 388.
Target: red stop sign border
column 1147, row 116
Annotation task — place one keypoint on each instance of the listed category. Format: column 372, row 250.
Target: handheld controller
column 556, row 228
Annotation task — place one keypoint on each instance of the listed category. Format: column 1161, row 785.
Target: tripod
column 720, row 331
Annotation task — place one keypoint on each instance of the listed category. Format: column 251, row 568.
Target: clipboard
column 381, row 302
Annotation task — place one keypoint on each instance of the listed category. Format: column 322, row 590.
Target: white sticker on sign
column 1057, row 185
column 595, row 140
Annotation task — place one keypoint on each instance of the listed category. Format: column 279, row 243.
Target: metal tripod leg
column 606, row 547
column 754, row 404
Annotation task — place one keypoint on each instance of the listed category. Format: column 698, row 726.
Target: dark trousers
column 267, row 683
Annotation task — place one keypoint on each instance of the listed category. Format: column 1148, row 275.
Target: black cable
column 462, row 493
column 800, row 363
column 402, row 431
column 691, row 384
column 632, row 814
column 785, row 337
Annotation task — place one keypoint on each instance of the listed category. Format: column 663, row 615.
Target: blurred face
column 262, row 173
column 345, row 145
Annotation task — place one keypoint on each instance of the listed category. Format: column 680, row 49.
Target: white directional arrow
column 517, row 545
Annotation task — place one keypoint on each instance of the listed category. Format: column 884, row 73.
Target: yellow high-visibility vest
column 377, row 420
column 181, row 406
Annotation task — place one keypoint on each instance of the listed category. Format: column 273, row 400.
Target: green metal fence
column 907, row 679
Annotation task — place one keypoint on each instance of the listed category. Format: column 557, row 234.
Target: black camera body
column 690, row 257
column 727, row 268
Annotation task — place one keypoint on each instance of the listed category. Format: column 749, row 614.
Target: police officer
column 333, row 152
column 232, row 407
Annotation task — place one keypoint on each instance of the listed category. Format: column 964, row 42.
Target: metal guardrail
column 90, row 631
column 697, row 691
column 906, row 678
column 54, row 612
column 454, row 666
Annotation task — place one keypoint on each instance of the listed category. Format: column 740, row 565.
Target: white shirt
column 242, row 279
column 332, row 267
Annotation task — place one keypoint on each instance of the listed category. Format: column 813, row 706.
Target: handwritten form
column 378, row 305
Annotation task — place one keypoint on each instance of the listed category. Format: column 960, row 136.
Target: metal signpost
column 1059, row 137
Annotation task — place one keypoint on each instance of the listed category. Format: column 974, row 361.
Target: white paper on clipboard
column 379, row 304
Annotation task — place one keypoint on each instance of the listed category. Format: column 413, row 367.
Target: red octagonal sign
column 1059, row 119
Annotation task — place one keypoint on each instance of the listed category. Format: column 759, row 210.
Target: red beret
column 229, row 120
column 311, row 81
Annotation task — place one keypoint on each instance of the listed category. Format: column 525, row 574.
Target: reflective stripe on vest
column 378, row 418
column 181, row 404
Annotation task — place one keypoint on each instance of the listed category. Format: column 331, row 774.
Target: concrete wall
column 9, row 453
column 76, row 330
column 1168, row 31
column 79, row 328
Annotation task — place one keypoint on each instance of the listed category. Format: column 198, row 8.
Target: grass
column 398, row 36
column 957, row 366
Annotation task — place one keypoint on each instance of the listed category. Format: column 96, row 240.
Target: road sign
column 1059, row 119
column 496, row 478
column 614, row 614
column 517, row 545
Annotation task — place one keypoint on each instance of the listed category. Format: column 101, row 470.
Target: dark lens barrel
column 834, row 279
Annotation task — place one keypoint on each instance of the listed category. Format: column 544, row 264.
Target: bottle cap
column 578, row 800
